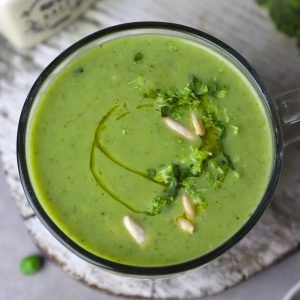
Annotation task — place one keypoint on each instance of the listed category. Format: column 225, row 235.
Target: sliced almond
column 180, row 129
column 136, row 231
column 198, row 125
column 185, row 225
column 188, row 207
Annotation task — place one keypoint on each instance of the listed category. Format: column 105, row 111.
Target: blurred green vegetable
column 286, row 15
column 31, row 264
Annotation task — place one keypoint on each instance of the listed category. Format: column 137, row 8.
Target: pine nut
column 185, row 225
column 136, row 231
column 189, row 208
column 180, row 129
column 198, row 125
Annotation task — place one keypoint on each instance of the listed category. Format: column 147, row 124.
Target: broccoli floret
column 195, row 158
column 157, row 205
column 190, row 186
column 216, row 172
column 174, row 102
column 286, row 15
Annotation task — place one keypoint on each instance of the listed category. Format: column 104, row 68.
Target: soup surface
column 102, row 145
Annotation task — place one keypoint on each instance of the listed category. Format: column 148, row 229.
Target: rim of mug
column 106, row 263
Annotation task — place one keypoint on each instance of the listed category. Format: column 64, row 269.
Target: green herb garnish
column 157, row 205
column 164, row 111
column 216, row 172
column 79, row 70
column 198, row 88
column 201, row 205
column 208, row 159
column 138, row 57
column 174, row 103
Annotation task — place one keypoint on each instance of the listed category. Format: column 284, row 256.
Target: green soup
column 99, row 149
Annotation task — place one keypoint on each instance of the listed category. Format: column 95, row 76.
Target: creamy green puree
column 99, row 149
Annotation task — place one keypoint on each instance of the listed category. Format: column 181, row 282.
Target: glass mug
column 282, row 112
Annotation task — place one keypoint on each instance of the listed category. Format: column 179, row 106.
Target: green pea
column 31, row 264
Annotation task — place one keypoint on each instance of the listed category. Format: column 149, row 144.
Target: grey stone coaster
column 245, row 27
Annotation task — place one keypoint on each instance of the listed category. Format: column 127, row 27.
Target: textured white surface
column 245, row 27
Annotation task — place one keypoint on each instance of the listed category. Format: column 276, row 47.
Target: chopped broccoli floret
column 138, row 57
column 208, row 158
column 201, row 205
column 217, row 171
column 189, row 185
column 198, row 87
column 195, row 158
column 157, row 205
column 174, row 102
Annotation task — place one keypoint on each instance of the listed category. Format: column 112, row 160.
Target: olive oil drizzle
column 103, row 149
column 103, row 185
column 145, row 105
column 98, row 144
column 125, row 114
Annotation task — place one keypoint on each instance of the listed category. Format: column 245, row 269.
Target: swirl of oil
column 98, row 144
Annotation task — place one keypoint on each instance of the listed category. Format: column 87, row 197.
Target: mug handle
column 288, row 106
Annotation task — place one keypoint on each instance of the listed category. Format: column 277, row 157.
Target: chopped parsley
column 174, row 103
column 79, row 70
column 138, row 57
column 157, row 205
column 201, row 205
column 216, row 171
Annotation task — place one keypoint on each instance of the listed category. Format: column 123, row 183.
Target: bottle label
column 47, row 15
